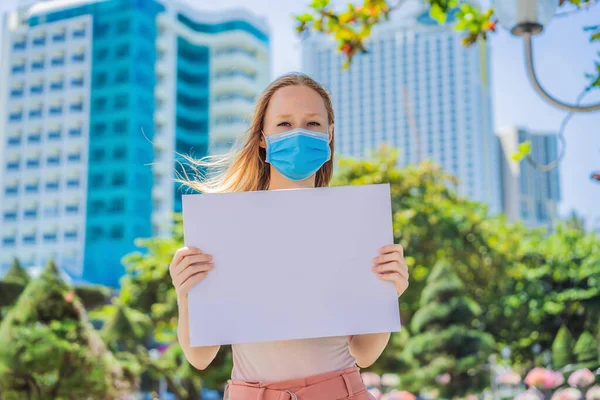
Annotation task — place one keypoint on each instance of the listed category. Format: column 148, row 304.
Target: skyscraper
column 96, row 99
column 529, row 195
column 419, row 90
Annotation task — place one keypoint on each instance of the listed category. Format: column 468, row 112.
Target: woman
column 289, row 145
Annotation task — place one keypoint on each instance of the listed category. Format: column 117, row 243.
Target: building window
column 118, row 179
column 123, row 26
column 98, row 155
column 120, row 153
column 122, row 101
column 122, row 51
column 100, row 79
column 120, row 126
column 122, row 76
column 117, row 232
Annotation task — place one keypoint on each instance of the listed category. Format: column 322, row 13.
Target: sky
column 562, row 55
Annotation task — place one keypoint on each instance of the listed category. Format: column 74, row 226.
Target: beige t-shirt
column 290, row 359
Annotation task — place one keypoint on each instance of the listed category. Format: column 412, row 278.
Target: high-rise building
column 418, row 90
column 529, row 195
column 97, row 99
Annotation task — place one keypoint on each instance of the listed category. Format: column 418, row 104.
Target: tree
column 54, row 352
column 447, row 337
column 17, row 274
column 562, row 349
column 352, row 28
column 586, row 352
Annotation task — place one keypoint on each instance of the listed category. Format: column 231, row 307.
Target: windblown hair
column 245, row 169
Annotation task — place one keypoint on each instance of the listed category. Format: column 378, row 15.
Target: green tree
column 562, row 349
column 586, row 352
column 147, row 297
column 54, row 352
column 17, row 274
column 448, row 337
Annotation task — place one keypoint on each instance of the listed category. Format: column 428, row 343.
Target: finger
column 392, row 248
column 386, row 258
column 390, row 276
column 191, row 282
column 181, row 253
column 192, row 270
column 387, row 267
column 190, row 260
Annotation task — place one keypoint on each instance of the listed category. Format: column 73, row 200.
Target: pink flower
column 542, row 378
column 581, row 378
column 371, row 379
column 443, row 379
column 567, row 394
column 390, row 380
column 376, row 393
column 509, row 377
column 399, row 395
column 471, row 397
column 593, row 393
column 531, row 394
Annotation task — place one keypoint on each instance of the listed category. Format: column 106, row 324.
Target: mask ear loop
column 266, row 146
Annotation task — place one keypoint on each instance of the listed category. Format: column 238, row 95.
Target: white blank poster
column 290, row 264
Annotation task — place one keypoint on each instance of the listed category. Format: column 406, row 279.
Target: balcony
column 50, row 237
column 57, row 62
column 34, row 138
column 78, row 82
column 35, row 114
column 74, row 157
column 51, row 212
column 11, row 190
column 235, row 82
column 52, row 186
column 12, row 165
column 31, row 188
column 72, row 209
column 79, row 33
column 75, row 132
column 76, row 107
column 59, row 37
column 54, row 135
column 37, row 89
column 15, row 117
column 10, row 216
column 37, row 65
column 52, row 161
column 29, row 239
column 70, row 235
column 19, row 45
column 16, row 93
column 55, row 110
column 78, row 58
column 73, row 183
column 33, row 163
column 56, row 85
column 39, row 41
column 17, row 69
column 14, row 141
column 237, row 105
column 9, row 241
column 29, row 214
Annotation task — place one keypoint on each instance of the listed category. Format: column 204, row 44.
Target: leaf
column 525, row 147
column 319, row 4
column 437, row 13
column 595, row 36
column 306, row 17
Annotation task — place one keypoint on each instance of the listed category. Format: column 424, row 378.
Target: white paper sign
column 290, row 264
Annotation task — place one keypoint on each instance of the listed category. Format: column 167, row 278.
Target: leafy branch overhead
column 352, row 27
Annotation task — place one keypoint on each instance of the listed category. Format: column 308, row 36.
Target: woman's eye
column 314, row 123
column 283, row 124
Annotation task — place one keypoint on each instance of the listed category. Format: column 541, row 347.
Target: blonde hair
column 245, row 169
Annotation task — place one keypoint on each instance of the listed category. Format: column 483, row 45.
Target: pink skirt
column 338, row 385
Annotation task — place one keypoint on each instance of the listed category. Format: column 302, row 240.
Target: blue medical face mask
column 299, row 153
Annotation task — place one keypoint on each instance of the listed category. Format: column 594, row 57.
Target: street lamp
column 527, row 18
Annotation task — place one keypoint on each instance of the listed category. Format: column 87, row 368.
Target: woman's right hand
column 189, row 266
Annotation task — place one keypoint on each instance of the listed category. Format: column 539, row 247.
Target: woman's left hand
column 390, row 266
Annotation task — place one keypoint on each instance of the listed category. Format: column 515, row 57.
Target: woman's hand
column 390, row 266
column 189, row 266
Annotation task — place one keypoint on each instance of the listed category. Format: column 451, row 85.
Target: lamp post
column 527, row 18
